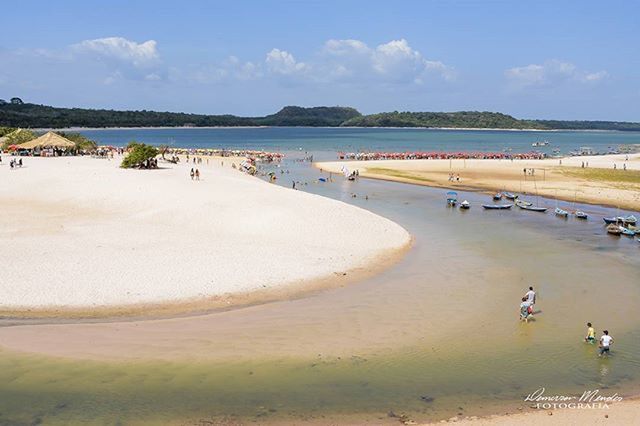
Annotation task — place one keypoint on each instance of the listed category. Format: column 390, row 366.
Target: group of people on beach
column 454, row 177
column 526, row 311
column 13, row 164
column 195, row 174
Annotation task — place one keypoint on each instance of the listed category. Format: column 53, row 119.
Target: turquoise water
column 331, row 140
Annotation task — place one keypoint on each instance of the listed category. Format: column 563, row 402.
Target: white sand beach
column 82, row 233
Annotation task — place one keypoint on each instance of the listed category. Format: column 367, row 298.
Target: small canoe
column 498, row 196
column 614, row 229
column 534, row 208
column 452, row 198
column 635, row 229
column 497, row 206
column 609, row 220
column 626, row 231
column 581, row 215
column 560, row 212
column 510, row 196
column 465, row 205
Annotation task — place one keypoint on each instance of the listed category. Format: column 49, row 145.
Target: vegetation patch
column 603, row 175
column 138, row 154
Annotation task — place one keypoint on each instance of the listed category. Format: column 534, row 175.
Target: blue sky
column 531, row 59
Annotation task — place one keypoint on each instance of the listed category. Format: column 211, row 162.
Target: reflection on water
column 434, row 336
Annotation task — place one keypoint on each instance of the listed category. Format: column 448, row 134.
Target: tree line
column 27, row 115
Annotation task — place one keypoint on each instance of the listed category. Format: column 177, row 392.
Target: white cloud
column 550, row 73
column 121, row 49
column 282, row 62
column 395, row 61
column 595, row 76
column 152, row 77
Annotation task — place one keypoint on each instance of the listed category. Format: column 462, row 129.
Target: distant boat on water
column 614, row 229
column 510, row 196
column 497, row 206
column 613, row 220
column 581, row 215
column 540, row 143
column 532, row 208
column 465, row 205
column 497, row 196
column 627, row 231
column 452, row 198
column 523, row 203
column 561, row 213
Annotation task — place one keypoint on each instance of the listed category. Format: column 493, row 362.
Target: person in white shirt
column 605, row 343
column 531, row 296
column 531, row 299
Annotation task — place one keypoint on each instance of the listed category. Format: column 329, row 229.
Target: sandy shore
column 626, row 412
column 597, row 184
column 82, row 234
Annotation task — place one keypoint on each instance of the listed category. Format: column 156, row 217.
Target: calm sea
column 331, row 140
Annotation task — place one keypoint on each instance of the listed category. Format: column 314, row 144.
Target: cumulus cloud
column 550, row 73
column 595, row 76
column 395, row 61
column 121, row 49
column 282, row 62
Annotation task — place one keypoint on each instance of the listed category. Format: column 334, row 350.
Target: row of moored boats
column 619, row 225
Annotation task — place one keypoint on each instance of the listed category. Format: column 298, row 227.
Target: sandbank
column 597, row 184
column 625, row 412
column 82, row 235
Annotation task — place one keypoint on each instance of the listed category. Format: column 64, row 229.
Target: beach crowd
column 436, row 155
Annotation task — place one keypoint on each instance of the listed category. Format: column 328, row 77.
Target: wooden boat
column 579, row 214
column 560, row 212
column 627, row 231
column 497, row 196
column 510, row 196
column 534, row 208
column 523, row 203
column 497, row 206
column 452, row 198
column 614, row 229
column 465, row 205
column 614, row 220
column 635, row 229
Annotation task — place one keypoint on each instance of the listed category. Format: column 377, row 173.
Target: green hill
column 41, row 116
column 317, row 116
column 462, row 119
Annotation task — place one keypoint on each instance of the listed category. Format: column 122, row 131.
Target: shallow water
column 441, row 324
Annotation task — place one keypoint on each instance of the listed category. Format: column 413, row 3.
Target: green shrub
column 138, row 154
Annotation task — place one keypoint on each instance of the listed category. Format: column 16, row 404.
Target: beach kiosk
column 49, row 144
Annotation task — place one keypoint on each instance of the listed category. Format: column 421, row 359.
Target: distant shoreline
column 490, row 129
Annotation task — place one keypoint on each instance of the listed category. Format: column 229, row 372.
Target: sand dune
column 82, row 233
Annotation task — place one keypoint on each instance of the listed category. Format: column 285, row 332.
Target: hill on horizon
column 27, row 115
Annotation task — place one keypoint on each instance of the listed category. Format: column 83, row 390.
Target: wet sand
column 620, row 413
column 568, row 181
